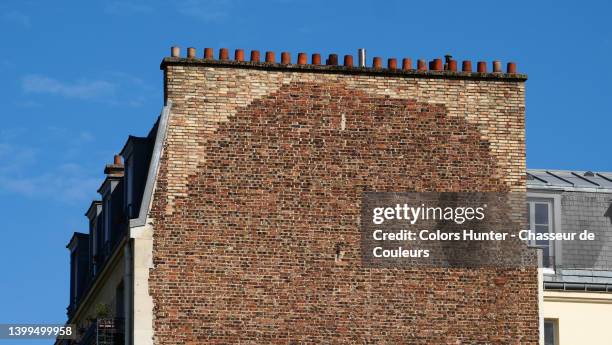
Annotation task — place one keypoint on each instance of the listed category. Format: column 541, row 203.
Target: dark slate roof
column 569, row 180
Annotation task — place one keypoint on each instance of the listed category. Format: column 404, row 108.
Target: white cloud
column 24, row 172
column 17, row 18
column 85, row 137
column 67, row 186
column 69, row 136
column 207, row 11
column 116, row 88
column 84, row 89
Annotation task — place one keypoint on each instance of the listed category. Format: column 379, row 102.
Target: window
column 119, row 302
column 551, row 332
column 73, row 277
column 94, row 240
column 107, row 219
column 541, row 220
column 129, row 186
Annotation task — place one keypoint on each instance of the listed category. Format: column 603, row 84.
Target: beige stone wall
column 581, row 317
column 142, row 312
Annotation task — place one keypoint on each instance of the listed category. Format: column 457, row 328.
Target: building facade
column 233, row 210
column 101, row 265
column 577, row 275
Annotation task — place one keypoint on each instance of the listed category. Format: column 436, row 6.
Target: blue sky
column 79, row 77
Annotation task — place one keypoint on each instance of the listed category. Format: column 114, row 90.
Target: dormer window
column 94, row 244
column 543, row 215
column 136, row 157
column 107, row 220
column 111, row 203
column 95, row 223
column 129, row 186
column 79, row 268
column 74, row 282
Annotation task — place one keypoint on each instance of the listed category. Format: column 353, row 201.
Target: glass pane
column 541, row 213
column 542, row 229
column 546, row 256
column 549, row 333
column 547, row 259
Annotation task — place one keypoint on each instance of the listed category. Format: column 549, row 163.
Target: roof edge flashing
column 147, row 196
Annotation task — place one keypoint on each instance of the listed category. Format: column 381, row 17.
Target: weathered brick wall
column 260, row 181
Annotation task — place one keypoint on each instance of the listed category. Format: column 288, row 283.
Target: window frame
column 555, row 326
column 107, row 219
column 94, row 243
column 73, row 276
column 128, row 179
column 554, row 201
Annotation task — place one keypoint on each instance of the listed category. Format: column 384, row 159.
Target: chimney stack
column 447, row 65
column 116, row 168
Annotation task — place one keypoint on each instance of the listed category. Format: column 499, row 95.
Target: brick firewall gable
column 247, row 253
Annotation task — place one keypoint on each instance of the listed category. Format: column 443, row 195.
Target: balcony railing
column 104, row 331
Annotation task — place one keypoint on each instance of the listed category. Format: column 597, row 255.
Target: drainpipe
column 540, row 253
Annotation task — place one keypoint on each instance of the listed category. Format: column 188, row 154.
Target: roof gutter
column 590, row 287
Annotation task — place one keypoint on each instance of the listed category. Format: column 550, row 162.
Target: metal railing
column 104, row 331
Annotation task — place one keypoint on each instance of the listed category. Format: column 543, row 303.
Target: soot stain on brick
column 280, row 189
